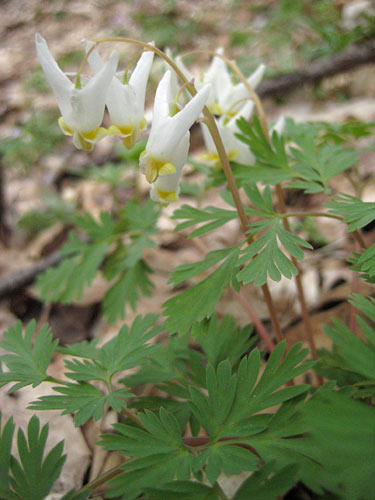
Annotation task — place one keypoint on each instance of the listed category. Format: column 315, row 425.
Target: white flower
column 82, row 109
column 167, row 146
column 235, row 149
column 278, row 127
column 225, row 98
column 126, row 101
column 166, row 187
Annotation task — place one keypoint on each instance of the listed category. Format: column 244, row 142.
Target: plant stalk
column 212, row 127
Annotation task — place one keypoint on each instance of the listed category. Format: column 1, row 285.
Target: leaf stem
column 262, row 331
column 132, row 417
column 300, row 291
column 54, row 380
column 308, row 214
column 102, row 479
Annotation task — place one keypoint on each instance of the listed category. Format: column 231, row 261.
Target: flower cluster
column 228, row 102
column 82, row 110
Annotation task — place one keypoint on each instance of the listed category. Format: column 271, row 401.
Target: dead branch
column 14, row 282
column 351, row 58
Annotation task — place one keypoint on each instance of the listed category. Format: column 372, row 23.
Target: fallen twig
column 347, row 60
column 14, row 282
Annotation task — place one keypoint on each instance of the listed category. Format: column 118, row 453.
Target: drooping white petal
column 239, row 94
column 166, row 188
column 163, row 98
column 88, row 103
column 166, row 132
column 139, row 78
column 120, row 98
column 245, row 112
column 185, row 118
column 256, row 77
column 235, row 149
column 95, row 61
column 218, row 76
column 278, row 127
column 60, row 83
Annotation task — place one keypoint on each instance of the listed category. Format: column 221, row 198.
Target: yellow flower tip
column 152, row 167
column 143, row 124
column 167, row 169
column 216, row 109
column 64, row 128
column 129, row 141
column 91, row 135
column 151, row 173
column 232, row 155
column 128, row 134
column 81, row 143
column 214, row 159
column 167, row 196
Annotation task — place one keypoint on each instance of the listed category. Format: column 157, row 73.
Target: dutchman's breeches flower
column 82, row 109
column 167, row 146
column 166, row 187
column 225, row 98
column 235, row 149
column 126, row 101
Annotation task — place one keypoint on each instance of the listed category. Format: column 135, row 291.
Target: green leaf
column 365, row 263
column 262, row 201
column 27, row 363
column 96, row 230
column 199, row 301
column 267, row 155
column 356, row 213
column 184, row 490
column 353, row 358
column 315, row 166
column 186, row 271
column 6, row 437
column 141, row 217
column 228, row 458
column 267, row 483
column 128, row 349
column 158, row 450
column 54, row 209
column 83, row 259
column 126, row 291
column 84, row 399
column 342, row 431
column 73, row 495
column 33, row 476
column 213, row 411
column 214, row 218
column 267, row 257
column 223, row 340
column 233, row 399
column 66, row 281
column 356, row 355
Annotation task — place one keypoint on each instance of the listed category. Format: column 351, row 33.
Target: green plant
column 224, row 405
